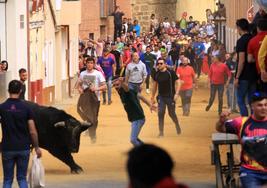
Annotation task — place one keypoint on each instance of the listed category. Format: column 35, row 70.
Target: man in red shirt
column 218, row 71
column 126, row 58
column 187, row 74
column 255, row 43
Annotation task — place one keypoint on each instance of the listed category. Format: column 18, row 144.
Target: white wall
column 16, row 36
column 2, row 32
column 50, row 41
column 74, row 49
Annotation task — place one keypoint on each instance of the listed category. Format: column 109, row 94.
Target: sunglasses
column 160, row 63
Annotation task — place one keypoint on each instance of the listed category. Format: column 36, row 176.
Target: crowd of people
column 175, row 54
column 168, row 60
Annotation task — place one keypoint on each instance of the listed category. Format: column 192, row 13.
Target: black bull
column 58, row 133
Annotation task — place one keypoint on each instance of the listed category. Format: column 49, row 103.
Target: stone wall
column 142, row 9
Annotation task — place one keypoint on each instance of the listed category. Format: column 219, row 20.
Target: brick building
column 142, row 9
column 95, row 20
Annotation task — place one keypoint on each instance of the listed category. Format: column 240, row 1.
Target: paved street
column 194, row 170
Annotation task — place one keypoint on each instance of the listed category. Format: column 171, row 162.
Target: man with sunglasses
column 168, row 85
column 253, row 171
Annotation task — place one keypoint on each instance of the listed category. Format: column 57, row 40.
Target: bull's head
column 72, row 133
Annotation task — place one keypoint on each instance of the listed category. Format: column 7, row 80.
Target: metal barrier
column 5, row 77
column 226, row 174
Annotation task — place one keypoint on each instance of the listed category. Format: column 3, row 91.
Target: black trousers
column 117, row 31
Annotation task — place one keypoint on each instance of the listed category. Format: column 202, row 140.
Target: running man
column 130, row 100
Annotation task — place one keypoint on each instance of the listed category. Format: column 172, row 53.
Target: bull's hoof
column 77, row 170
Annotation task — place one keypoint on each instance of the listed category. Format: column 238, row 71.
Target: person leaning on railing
column 253, row 173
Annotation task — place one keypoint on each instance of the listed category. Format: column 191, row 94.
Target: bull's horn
column 60, row 124
column 87, row 124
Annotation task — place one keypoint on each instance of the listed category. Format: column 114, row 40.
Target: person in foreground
column 149, row 166
column 130, row 100
column 252, row 172
column 18, row 134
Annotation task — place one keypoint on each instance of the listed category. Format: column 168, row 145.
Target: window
column 21, row 21
column 58, row 4
column 106, row 8
column 91, row 36
column 102, row 9
column 111, row 7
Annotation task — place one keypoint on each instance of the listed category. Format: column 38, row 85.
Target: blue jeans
column 162, row 103
column 186, row 96
column 231, row 96
column 135, row 86
column 213, row 90
column 199, row 62
column 21, row 160
column 109, row 87
column 136, row 128
column 244, row 89
column 252, row 179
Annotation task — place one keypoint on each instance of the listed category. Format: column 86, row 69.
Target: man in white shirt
column 135, row 73
column 166, row 24
column 93, row 82
column 156, row 52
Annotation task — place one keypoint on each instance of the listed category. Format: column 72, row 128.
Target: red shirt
column 254, row 46
column 186, row 74
column 126, row 58
column 217, row 73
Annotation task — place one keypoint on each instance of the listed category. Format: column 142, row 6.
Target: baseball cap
column 258, row 96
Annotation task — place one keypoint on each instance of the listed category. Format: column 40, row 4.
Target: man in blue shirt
column 199, row 51
column 137, row 28
column 18, row 133
column 109, row 67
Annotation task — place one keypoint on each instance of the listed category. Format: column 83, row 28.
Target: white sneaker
column 147, row 91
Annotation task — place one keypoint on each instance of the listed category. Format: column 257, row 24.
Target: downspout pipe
column 68, row 60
